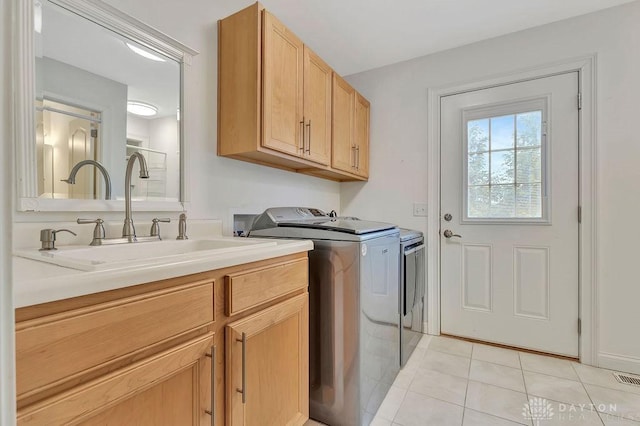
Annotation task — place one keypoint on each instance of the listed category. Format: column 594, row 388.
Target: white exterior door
column 509, row 214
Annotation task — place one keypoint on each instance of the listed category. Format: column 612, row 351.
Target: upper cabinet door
column 282, row 56
column 362, row 136
column 343, row 154
column 317, row 108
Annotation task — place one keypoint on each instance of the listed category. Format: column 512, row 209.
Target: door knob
column 449, row 233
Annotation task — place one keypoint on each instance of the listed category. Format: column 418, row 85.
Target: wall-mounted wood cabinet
column 296, row 117
column 275, row 97
column 350, row 129
column 361, row 138
column 156, row 354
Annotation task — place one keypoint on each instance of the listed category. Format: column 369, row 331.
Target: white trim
column 619, row 362
column 8, row 11
column 119, row 22
column 586, row 68
column 23, row 81
column 24, row 89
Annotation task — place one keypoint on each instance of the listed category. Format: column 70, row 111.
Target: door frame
column 587, row 275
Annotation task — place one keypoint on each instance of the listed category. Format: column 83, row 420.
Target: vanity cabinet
column 161, row 353
column 108, row 357
column 274, row 97
column 267, row 367
column 169, row 388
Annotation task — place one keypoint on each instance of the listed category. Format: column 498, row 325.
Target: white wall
column 7, row 370
column 398, row 95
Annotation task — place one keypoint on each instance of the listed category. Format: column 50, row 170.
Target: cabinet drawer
column 54, row 348
column 83, row 403
column 248, row 289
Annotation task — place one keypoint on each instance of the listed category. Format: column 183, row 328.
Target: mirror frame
column 25, row 170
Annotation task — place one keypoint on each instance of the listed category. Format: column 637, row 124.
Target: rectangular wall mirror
column 103, row 86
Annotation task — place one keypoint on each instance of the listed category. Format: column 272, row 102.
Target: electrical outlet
column 419, row 209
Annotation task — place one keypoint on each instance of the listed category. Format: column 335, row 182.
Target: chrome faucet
column 129, row 230
column 74, row 171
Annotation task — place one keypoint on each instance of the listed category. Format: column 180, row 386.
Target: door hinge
column 579, row 326
column 579, row 214
column 579, row 101
column 94, row 133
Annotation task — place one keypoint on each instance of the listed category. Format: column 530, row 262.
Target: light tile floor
column 453, row 382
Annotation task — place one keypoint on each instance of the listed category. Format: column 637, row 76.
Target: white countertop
column 36, row 282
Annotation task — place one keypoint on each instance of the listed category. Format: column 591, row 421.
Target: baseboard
column 619, row 362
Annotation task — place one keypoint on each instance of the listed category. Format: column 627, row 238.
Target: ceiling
column 358, row 35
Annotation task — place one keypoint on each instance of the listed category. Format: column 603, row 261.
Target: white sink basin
column 87, row 258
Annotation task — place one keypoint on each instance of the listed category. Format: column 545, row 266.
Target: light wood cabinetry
column 267, row 381
column 251, row 288
column 350, row 129
column 361, row 135
column 343, row 155
column 167, row 386
column 283, row 119
column 274, row 97
column 82, row 339
column 156, row 354
column 317, row 107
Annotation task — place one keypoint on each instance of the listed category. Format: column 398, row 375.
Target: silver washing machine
column 354, row 321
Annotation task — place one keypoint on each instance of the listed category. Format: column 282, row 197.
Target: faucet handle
column 48, row 238
column 182, row 227
column 99, row 233
column 155, row 227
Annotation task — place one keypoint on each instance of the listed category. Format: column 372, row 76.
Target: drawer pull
column 212, row 413
column 309, row 138
column 243, row 391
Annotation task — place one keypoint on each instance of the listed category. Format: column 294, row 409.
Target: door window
column 505, row 163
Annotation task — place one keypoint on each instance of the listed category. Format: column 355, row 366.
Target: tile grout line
column 413, row 376
column 593, row 405
column 466, row 392
column 524, row 381
column 551, row 375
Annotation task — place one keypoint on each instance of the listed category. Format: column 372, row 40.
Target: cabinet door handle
column 353, row 150
column 212, row 413
column 302, row 135
column 357, row 157
column 243, row 391
column 309, row 138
